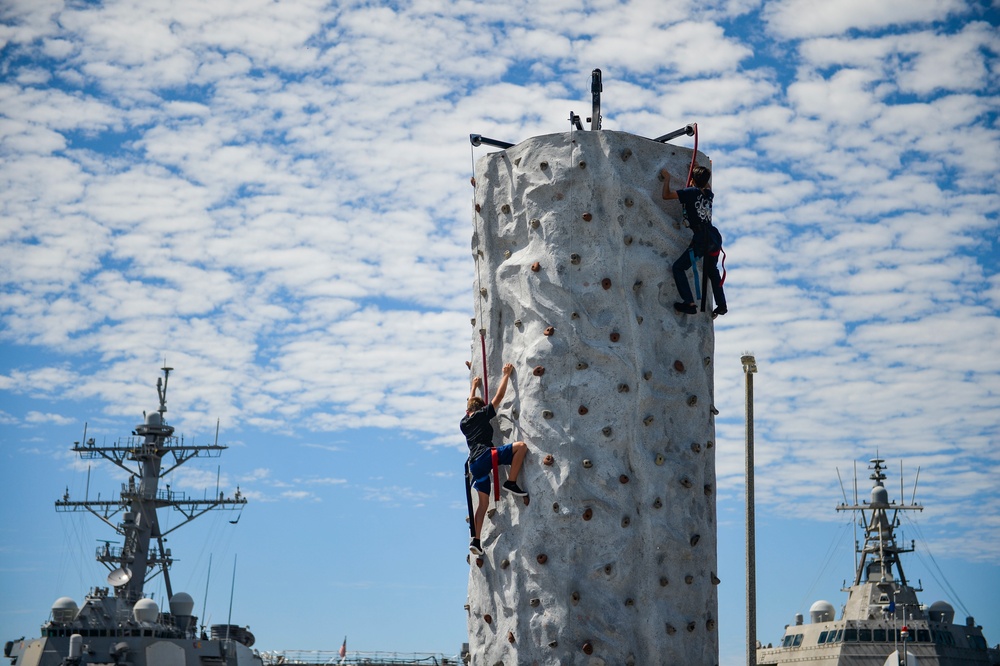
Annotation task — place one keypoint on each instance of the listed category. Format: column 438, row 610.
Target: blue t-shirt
column 478, row 430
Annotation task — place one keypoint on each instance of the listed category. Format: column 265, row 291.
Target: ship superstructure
column 118, row 624
column 882, row 622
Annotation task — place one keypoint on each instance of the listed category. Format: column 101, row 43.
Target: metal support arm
column 687, row 129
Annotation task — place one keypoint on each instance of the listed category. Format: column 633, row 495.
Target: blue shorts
column 482, row 467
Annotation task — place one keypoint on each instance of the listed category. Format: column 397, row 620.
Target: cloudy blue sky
column 273, row 195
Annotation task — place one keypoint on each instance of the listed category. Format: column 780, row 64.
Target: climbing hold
column 588, row 648
column 583, row 165
column 550, row 330
column 588, row 513
column 517, row 161
column 473, row 320
column 709, row 444
column 517, row 322
column 587, row 217
column 623, row 388
column 488, row 619
column 663, row 581
column 708, row 360
column 587, row 464
column 629, row 602
column 575, row 597
column 647, row 375
column 647, row 420
column 505, row 208
column 660, row 459
column 574, row 258
column 628, row 240
column 535, row 222
column 473, row 181
column 534, row 601
column 708, row 489
column 549, row 459
column 638, row 319
column 626, row 521
column 606, row 283
column 696, row 447
column 715, row 579
column 555, row 507
column 623, row 479
column 553, row 644
column 628, row 203
column 657, row 503
column 695, row 538
column 714, row 411
column 637, row 285
column 574, row 315
column 538, row 371
column 710, row 624
column 479, row 208
column 691, row 626
column 582, row 366
column 679, row 366
column 510, row 636
column 627, row 153
column 546, row 414
column 491, row 512
column 506, row 254
column 504, row 563
column 542, row 558
column 686, row 482
column 483, row 292
column 615, row 336
column 692, row 400
column 689, row 579
column 583, row 410
column 670, row 629
column 535, row 267
column 606, row 430
column 543, row 165
column 479, row 562
column 466, row 607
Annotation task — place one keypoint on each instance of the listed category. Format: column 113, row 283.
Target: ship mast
column 148, row 455
column 880, row 551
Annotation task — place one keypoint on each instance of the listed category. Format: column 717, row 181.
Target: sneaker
column 721, row 310
column 686, row 308
column 514, row 488
column 475, row 547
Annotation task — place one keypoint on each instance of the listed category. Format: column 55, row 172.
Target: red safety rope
column 694, row 155
column 496, row 474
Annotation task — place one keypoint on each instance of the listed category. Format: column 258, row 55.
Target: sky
column 272, row 196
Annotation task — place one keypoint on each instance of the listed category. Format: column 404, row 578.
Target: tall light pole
column 749, row 369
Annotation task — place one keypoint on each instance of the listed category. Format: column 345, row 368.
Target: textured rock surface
column 614, row 559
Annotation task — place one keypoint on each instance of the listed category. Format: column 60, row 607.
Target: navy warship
column 118, row 624
column 882, row 623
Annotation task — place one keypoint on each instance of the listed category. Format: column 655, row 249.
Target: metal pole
column 749, row 368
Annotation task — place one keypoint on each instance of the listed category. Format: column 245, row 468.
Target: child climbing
column 696, row 205
column 479, row 434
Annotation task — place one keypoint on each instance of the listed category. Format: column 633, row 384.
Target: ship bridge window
column 850, row 635
column 865, row 635
column 879, row 635
column 836, row 639
column 977, row 642
column 822, row 637
column 923, row 636
column 798, row 640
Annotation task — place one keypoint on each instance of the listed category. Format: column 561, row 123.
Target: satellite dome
column 64, row 610
column 181, row 604
column 145, row 610
column 821, row 611
column 880, row 496
column 941, row 611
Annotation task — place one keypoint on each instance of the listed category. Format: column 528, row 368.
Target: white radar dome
column 181, row 604
column 821, row 611
column 941, row 611
column 154, row 419
column 64, row 610
column 880, row 496
column 145, row 610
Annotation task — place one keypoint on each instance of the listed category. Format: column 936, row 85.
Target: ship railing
column 355, row 658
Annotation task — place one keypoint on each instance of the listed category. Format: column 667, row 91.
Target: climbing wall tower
column 613, row 560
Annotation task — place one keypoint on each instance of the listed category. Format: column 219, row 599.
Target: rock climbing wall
column 613, row 560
